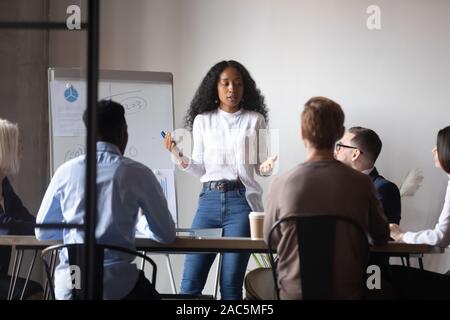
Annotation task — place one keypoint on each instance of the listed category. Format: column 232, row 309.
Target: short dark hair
column 322, row 122
column 368, row 141
column 110, row 119
column 443, row 148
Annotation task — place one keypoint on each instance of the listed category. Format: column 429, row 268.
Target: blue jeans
column 228, row 210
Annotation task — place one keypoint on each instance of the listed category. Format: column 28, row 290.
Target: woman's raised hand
column 267, row 166
column 168, row 143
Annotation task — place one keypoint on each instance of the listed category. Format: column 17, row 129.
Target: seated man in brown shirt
column 324, row 186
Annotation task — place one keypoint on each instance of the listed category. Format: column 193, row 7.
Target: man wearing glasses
column 359, row 148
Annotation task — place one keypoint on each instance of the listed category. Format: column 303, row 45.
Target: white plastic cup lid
column 255, row 214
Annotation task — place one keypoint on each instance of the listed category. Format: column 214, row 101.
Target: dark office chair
column 317, row 237
column 77, row 254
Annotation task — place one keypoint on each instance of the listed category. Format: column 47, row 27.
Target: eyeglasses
column 339, row 146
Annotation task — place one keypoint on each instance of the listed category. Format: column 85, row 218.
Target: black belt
column 223, row 185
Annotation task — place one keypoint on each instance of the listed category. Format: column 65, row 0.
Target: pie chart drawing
column 71, row 94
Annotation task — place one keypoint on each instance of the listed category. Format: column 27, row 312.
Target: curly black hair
column 207, row 99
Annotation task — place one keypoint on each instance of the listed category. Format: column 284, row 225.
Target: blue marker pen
column 163, row 134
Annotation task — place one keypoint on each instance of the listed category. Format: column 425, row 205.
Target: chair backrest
column 259, row 285
column 77, row 256
column 316, row 236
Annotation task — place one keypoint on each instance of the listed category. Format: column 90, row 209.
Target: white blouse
column 440, row 235
column 230, row 146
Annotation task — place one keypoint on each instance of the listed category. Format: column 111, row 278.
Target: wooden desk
column 398, row 248
column 190, row 244
column 204, row 245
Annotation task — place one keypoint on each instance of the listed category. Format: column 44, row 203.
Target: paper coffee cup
column 256, row 225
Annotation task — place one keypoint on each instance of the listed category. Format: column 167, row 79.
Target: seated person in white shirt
column 419, row 283
column 123, row 187
column 440, row 235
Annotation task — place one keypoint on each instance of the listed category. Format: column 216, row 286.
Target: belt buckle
column 221, row 187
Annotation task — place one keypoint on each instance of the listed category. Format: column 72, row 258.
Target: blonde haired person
column 15, row 219
column 10, row 150
column 321, row 185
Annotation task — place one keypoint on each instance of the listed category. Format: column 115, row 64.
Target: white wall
column 394, row 80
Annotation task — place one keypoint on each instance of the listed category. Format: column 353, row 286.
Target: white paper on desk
column 166, row 178
column 68, row 104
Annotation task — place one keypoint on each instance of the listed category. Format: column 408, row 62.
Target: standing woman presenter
column 228, row 119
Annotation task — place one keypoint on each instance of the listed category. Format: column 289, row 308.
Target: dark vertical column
column 24, row 91
column 93, row 270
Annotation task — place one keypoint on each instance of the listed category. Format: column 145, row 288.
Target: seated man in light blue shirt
column 123, row 187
